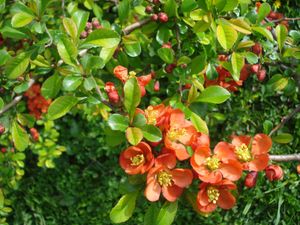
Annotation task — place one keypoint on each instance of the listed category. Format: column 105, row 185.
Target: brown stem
column 284, row 120
column 285, row 158
column 284, row 19
column 102, row 98
column 15, row 100
column 132, row 27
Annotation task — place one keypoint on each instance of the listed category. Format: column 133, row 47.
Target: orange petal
column 171, row 193
column 182, row 177
column 166, row 160
column 259, row 163
column 152, row 191
column 202, row 197
column 201, row 154
column 177, row 118
column 261, row 144
column 212, row 177
column 232, row 170
column 226, row 199
column 208, row 208
column 224, row 151
column 239, row 140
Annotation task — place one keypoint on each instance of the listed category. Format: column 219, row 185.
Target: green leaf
column 230, row 5
column 19, row 136
column 103, row 38
column 71, row 83
column 15, row 67
column 167, row 213
column 42, row 5
column 163, row 35
column 240, row 25
column 1, row 199
column 21, row 19
column 214, row 94
column 211, row 72
column 124, row 208
column 118, row 122
column 132, row 45
column 9, row 32
column 123, row 10
column 264, row 31
column 61, row 106
column 277, row 82
column 237, row 62
column 281, row 34
column 4, row 57
column 51, row 86
column 26, row 120
column 245, row 44
column 134, row 135
column 283, row 138
column 1, row 103
column 263, row 11
column 70, row 27
column 188, row 5
column 267, row 125
column 251, row 57
column 170, row 7
column 152, row 133
column 166, row 54
column 197, row 64
column 132, row 95
column 106, row 54
column 89, row 83
column 199, row 123
column 151, row 214
column 80, row 18
column 226, row 36
column 139, row 120
column 67, row 51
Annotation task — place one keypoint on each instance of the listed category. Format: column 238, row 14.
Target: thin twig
column 283, row 19
column 285, row 158
column 284, row 120
column 132, row 27
column 102, row 98
column 16, row 100
column 63, row 7
column 50, row 37
column 178, row 39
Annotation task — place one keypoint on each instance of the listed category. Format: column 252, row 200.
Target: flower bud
column 251, row 178
column 156, row 2
column 83, row 34
column 148, row 9
column 255, row 68
column 261, row 75
column 96, row 24
column 34, row 134
column 167, row 45
column 154, row 17
column 112, row 92
column 2, row 129
column 298, row 169
column 3, row 150
column 121, row 73
column 169, row 68
column 257, row 49
column 274, row 172
column 88, row 26
column 163, row 17
column 156, row 86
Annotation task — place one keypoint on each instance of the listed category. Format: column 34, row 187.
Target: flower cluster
column 217, row 170
column 36, row 103
column 90, row 27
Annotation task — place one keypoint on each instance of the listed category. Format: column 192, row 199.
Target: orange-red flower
column 137, row 159
column 212, row 195
column 252, row 153
column 112, row 92
column 178, row 136
column 121, row 73
column 213, row 168
column 274, row 172
column 163, row 178
column 200, row 139
column 251, row 178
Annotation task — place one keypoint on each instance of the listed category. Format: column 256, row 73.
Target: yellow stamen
column 164, row 178
column 151, row 115
column 175, row 133
column 212, row 163
column 137, row 160
column 132, row 74
column 213, row 194
column 243, row 153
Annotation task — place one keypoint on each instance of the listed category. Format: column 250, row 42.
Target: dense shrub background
column 84, row 186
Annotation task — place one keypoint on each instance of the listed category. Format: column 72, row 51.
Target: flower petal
column 239, row 140
column 171, row 193
column 201, row 154
column 259, row 163
column 166, row 160
column 226, row 199
column 208, row 208
column 182, row 177
column 232, row 170
column 152, row 191
column 224, row 151
column 212, row 177
column 261, row 144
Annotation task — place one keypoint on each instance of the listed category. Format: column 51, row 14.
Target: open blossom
column 164, row 179
column 137, row 159
column 274, row 172
column 253, row 154
column 212, row 195
column 212, row 168
column 179, row 134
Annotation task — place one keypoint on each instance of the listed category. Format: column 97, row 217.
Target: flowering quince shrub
column 155, row 71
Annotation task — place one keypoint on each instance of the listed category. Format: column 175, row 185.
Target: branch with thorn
column 285, row 158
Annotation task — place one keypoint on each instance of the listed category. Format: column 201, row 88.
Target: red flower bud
column 148, row 9
column 257, row 49
column 88, row 26
column 34, row 134
column 163, row 17
column 255, row 68
column 167, row 45
column 261, row 75
column 156, row 2
column 251, row 178
column 183, row 66
column 274, row 172
column 223, row 57
column 156, row 86
column 245, row 72
column 298, row 169
column 112, row 92
column 2, row 129
column 83, row 34
column 169, row 68
column 144, row 80
column 121, row 73
column 154, row 17
column 152, row 74
column 96, row 23
column 89, row 31
column 3, row 150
